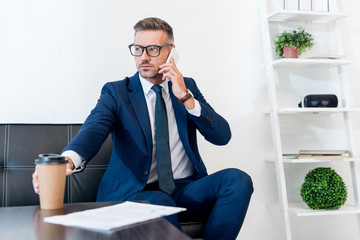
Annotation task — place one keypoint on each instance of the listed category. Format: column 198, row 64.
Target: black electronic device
column 319, row 100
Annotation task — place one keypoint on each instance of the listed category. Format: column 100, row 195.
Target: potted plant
column 323, row 188
column 291, row 44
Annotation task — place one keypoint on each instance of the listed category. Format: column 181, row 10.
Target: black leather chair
column 20, row 145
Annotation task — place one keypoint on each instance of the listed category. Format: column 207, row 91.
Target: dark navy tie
column 166, row 179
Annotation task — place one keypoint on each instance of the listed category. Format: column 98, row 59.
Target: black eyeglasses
column 152, row 50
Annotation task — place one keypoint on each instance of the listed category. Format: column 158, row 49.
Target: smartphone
column 173, row 53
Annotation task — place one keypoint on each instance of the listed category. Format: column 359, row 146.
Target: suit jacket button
column 209, row 120
column 146, row 173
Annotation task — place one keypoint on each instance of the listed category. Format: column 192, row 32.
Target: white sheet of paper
column 115, row 216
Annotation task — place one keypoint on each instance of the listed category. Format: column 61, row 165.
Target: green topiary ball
column 324, row 189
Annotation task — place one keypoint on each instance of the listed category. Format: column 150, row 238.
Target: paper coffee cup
column 51, row 170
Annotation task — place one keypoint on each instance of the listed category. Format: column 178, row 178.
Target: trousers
column 223, row 197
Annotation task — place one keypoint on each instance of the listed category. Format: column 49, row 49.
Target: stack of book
column 320, row 154
column 307, row 5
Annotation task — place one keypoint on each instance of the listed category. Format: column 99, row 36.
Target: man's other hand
column 69, row 170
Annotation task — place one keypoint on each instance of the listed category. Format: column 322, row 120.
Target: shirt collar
column 146, row 85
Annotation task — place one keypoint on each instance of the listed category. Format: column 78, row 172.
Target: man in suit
column 128, row 109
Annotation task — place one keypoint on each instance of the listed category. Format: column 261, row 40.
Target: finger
column 169, row 64
column 69, row 168
column 35, row 182
column 68, row 171
column 35, row 175
column 36, row 187
column 170, row 71
column 168, row 75
column 164, row 69
column 70, row 163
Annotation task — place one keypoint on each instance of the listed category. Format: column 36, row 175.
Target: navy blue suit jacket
column 122, row 111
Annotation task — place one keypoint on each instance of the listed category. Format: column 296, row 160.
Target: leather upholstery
column 20, row 145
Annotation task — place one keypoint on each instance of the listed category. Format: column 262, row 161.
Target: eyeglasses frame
column 146, row 48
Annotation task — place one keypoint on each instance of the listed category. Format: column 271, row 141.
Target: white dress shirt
column 182, row 166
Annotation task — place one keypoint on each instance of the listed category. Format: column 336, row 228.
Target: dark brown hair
column 152, row 23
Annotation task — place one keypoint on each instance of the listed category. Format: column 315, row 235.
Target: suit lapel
column 181, row 116
column 181, row 119
column 138, row 102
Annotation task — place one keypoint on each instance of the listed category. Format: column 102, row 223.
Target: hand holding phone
column 178, row 84
column 173, row 53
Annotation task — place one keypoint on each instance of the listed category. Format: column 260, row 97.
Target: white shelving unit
column 306, row 63
column 275, row 112
column 304, row 16
column 302, row 210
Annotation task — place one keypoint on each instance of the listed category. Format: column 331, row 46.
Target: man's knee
column 239, row 181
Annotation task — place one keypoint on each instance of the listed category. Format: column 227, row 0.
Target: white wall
column 56, row 55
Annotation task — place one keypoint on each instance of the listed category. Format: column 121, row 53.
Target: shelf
column 314, row 110
column 305, row 62
column 315, row 160
column 305, row 16
column 302, row 210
